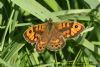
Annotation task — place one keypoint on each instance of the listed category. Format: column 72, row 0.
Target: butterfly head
column 50, row 24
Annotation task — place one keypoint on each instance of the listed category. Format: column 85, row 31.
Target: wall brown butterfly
column 52, row 35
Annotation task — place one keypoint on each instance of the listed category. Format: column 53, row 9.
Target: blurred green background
column 17, row 15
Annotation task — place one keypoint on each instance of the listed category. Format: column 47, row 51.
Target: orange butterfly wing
column 36, row 34
column 70, row 29
column 63, row 30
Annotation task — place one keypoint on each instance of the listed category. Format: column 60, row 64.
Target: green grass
column 17, row 15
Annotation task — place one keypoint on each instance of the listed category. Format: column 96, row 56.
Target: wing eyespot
column 40, row 47
column 56, row 45
column 76, row 26
column 30, row 31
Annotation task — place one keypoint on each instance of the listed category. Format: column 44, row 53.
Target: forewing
column 70, row 29
column 34, row 33
column 37, row 34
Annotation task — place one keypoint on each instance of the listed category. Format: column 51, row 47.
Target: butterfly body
column 52, row 35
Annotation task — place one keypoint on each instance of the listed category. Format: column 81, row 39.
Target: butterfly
column 52, row 35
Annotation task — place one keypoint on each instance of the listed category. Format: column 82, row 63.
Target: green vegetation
column 17, row 15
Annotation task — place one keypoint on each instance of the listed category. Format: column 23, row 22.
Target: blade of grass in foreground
column 12, row 26
column 36, row 9
column 5, row 32
column 33, row 57
column 91, row 56
column 53, row 4
column 15, row 48
column 88, row 45
column 5, row 63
